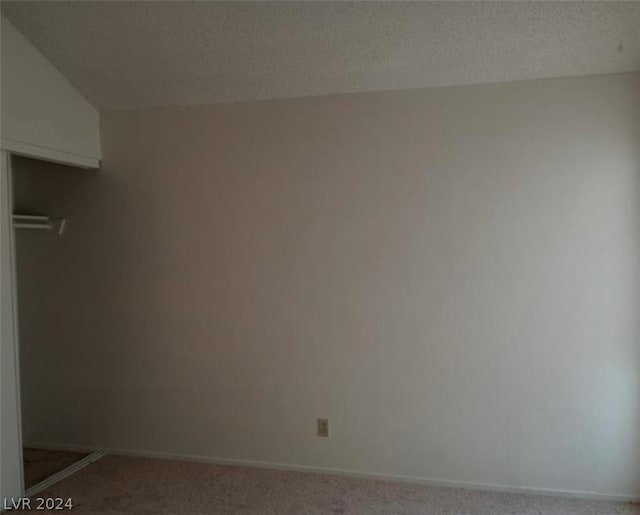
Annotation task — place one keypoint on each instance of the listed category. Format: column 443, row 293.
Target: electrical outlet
column 323, row 427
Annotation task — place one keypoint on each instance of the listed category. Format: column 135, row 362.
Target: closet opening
column 51, row 350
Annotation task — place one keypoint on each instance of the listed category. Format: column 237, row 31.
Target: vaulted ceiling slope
column 145, row 54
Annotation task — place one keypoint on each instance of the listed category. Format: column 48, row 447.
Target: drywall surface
column 42, row 114
column 449, row 275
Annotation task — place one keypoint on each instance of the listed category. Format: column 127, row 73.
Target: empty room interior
column 342, row 258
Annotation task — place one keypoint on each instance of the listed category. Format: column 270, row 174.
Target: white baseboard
column 575, row 494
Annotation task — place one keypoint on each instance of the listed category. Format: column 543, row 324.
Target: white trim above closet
column 19, row 148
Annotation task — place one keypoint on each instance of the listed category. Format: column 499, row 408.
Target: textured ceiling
column 144, row 54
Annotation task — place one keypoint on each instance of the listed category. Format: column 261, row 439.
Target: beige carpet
column 116, row 484
column 39, row 464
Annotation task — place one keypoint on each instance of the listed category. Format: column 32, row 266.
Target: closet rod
column 44, row 227
column 41, row 218
column 39, row 222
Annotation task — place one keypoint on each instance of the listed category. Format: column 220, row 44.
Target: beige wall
column 450, row 275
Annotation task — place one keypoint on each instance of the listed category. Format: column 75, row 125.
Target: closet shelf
column 39, row 222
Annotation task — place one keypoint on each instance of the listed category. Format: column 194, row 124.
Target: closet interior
column 43, row 243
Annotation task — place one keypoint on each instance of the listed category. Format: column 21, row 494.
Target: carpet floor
column 118, row 484
column 39, row 464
